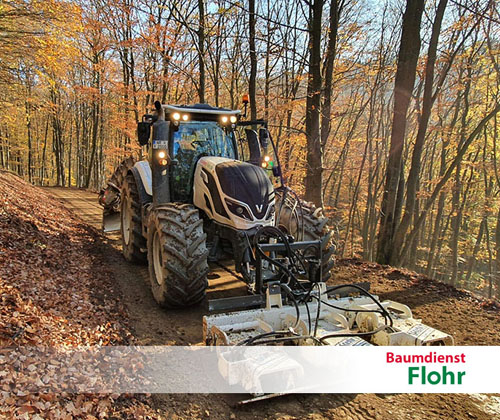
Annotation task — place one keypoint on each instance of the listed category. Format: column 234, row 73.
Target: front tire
column 177, row 255
column 133, row 242
column 305, row 222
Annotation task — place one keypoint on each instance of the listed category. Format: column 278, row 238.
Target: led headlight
column 162, row 158
column 238, row 209
column 267, row 163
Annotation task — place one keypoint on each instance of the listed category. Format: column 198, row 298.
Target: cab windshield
column 204, row 138
column 193, row 140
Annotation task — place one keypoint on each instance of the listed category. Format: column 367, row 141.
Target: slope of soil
column 471, row 320
column 54, row 292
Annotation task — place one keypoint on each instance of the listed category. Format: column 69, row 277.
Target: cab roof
column 200, row 109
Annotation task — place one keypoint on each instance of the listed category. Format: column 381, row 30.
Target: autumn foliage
column 54, row 291
column 76, row 76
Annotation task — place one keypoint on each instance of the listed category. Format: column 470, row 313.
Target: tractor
column 206, row 191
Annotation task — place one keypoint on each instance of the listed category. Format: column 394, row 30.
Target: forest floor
column 63, row 282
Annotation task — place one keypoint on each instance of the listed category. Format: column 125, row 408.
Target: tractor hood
column 234, row 193
column 246, row 183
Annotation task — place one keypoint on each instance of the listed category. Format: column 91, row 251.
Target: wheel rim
column 126, row 220
column 157, row 260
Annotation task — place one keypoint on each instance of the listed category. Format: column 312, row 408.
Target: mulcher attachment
column 348, row 321
column 319, row 319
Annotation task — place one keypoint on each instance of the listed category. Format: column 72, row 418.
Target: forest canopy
column 384, row 112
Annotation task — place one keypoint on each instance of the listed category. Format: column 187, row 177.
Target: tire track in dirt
column 152, row 324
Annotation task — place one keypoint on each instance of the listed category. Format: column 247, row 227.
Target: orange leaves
column 83, row 406
column 53, row 291
column 45, row 297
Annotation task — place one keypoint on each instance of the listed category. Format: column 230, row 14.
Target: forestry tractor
column 205, row 192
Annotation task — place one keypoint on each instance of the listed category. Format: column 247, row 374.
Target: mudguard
column 143, row 179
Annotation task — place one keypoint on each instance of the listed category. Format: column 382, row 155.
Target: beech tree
column 319, row 94
column 403, row 87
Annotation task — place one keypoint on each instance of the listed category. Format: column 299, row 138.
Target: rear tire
column 134, row 245
column 109, row 197
column 177, row 255
column 315, row 227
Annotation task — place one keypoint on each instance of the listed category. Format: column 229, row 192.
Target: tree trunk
column 95, row 128
column 405, row 79
column 497, row 253
column 44, row 152
column 314, row 170
column 252, row 84
column 477, row 246
column 201, row 50
column 455, row 225
column 30, row 146
column 490, row 259
column 414, row 175
column 69, row 163
column 335, row 10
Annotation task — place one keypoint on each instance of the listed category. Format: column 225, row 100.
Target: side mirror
column 264, row 138
column 277, row 171
column 143, row 132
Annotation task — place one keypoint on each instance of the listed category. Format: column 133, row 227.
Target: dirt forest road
column 152, row 325
column 450, row 310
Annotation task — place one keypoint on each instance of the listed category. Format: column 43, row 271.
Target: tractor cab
column 198, row 156
column 197, row 131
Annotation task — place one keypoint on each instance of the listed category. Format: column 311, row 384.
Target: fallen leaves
column 55, row 291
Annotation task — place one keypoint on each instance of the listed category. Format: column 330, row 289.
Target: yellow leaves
column 463, row 23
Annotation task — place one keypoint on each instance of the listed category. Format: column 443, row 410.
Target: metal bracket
column 273, row 295
column 238, row 302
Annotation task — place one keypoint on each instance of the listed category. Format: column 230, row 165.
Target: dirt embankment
column 61, row 282
column 470, row 319
column 55, row 292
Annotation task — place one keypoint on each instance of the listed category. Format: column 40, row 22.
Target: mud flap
column 111, row 222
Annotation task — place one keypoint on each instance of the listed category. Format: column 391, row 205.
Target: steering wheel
column 201, row 143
